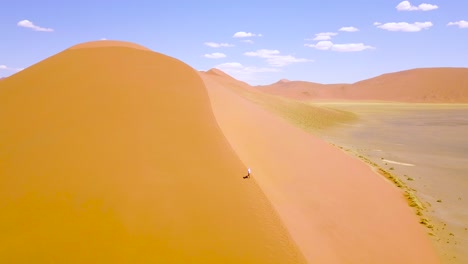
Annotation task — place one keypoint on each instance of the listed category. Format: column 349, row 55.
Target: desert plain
column 425, row 146
column 113, row 153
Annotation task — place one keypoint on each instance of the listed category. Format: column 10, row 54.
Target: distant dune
column 428, row 85
column 301, row 90
column 419, row 85
column 234, row 83
column 110, row 153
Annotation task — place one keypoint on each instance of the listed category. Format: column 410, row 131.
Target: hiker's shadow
column 246, row 176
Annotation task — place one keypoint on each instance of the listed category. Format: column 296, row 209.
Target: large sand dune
column 110, row 153
column 337, row 209
column 428, row 85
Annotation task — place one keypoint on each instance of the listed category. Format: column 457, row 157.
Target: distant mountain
column 437, row 85
column 440, row 85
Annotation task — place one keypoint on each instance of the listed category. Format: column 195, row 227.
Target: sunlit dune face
column 110, row 153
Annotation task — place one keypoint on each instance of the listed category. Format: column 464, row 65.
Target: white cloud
column 237, row 67
column 250, row 74
column 405, row 27
column 274, row 58
column 321, row 45
column 427, row 7
column 29, row 24
column 216, row 55
column 406, row 6
column 218, row 45
column 103, row 39
column 242, row 34
column 350, row 47
column 229, row 65
column 4, row 67
column 249, row 41
column 320, row 38
column 348, row 29
column 263, row 53
column 324, row 36
column 377, row 23
column 460, row 24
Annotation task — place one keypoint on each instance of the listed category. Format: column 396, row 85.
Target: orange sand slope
column 336, row 208
column 110, row 153
column 429, row 85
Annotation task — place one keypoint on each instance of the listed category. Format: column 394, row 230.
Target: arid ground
column 425, row 146
column 113, row 153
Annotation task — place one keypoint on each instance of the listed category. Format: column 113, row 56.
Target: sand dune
column 110, row 153
column 301, row 90
column 418, row 85
column 307, row 116
column 108, row 43
column 239, row 86
column 337, row 209
column 428, row 85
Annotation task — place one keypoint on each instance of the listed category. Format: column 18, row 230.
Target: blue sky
column 256, row 41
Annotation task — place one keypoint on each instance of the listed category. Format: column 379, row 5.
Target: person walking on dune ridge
column 248, row 174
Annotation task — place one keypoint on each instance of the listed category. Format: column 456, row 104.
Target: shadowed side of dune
column 111, row 153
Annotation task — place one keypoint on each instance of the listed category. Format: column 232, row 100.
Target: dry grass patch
column 309, row 117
